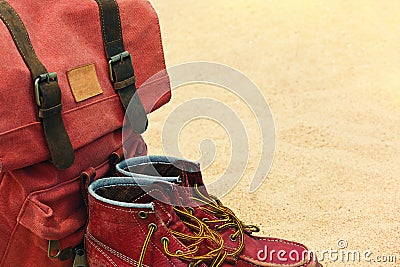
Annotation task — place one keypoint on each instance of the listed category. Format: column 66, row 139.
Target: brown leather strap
column 120, row 63
column 47, row 91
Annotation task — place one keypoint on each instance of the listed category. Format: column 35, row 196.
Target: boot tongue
column 163, row 193
column 165, row 196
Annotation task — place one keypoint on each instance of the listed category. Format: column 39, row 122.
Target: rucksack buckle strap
column 125, row 83
column 47, row 77
column 49, row 112
column 123, row 77
column 48, row 98
column 117, row 58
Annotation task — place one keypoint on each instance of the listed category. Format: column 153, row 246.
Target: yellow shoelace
column 225, row 216
column 201, row 234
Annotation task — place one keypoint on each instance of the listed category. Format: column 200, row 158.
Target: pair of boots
column 160, row 214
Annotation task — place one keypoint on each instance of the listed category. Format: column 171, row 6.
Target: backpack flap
column 67, row 37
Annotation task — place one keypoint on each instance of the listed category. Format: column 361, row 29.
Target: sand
column 330, row 71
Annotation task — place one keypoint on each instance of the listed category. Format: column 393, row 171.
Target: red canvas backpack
column 68, row 71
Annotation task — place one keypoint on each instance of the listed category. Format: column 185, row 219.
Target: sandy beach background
column 330, row 71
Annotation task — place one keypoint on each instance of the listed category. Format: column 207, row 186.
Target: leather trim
column 123, row 69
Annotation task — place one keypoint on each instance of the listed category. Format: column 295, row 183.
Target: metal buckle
column 120, row 57
column 44, row 77
column 54, row 249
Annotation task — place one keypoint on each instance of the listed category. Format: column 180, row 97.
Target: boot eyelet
column 232, row 238
column 165, row 239
column 191, row 210
column 191, row 264
column 179, row 252
column 216, row 228
column 142, row 215
column 153, row 225
column 204, row 220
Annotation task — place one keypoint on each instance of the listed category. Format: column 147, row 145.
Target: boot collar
column 189, row 172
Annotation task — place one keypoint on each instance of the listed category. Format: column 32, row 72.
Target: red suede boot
column 244, row 248
column 128, row 227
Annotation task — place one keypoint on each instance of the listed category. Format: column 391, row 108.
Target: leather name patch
column 84, row 82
